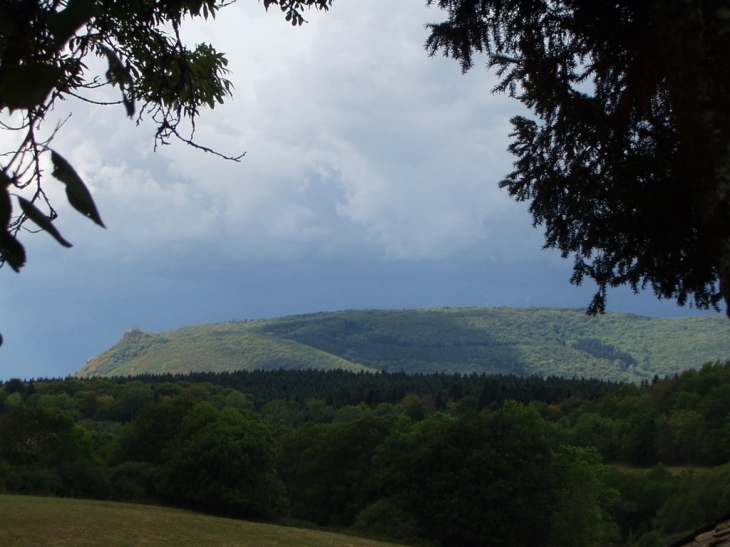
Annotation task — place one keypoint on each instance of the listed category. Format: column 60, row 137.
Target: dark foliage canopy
column 625, row 163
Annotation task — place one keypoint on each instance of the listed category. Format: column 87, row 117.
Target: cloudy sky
column 369, row 181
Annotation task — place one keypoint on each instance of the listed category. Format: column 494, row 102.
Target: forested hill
column 523, row 341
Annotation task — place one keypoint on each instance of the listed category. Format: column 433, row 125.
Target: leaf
column 128, row 104
column 27, row 86
column 118, row 74
column 44, row 222
column 78, row 195
column 6, row 207
column 12, row 251
column 64, row 24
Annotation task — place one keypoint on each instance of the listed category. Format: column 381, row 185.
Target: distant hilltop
column 523, row 341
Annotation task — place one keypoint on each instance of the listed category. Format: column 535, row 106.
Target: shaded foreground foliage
column 456, row 460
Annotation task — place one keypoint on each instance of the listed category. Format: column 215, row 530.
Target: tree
column 223, row 462
column 328, row 469
column 581, row 518
column 44, row 49
column 47, row 436
column 476, row 480
column 627, row 164
column 144, row 439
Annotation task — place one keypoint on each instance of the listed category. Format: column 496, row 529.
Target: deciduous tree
column 581, row 516
column 480, row 479
column 223, row 462
column 47, row 436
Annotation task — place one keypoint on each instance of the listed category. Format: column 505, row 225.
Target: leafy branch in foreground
column 44, row 48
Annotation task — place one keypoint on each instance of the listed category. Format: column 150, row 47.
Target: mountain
column 525, row 341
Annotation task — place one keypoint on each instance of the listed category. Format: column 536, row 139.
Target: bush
column 85, row 480
column 386, row 519
column 652, row 539
column 134, row 481
column 10, row 479
column 39, row 481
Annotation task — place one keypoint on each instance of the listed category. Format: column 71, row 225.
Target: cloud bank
column 370, row 180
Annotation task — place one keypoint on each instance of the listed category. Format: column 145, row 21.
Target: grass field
column 29, row 521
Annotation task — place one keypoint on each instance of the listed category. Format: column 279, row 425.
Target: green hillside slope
column 208, row 350
column 543, row 341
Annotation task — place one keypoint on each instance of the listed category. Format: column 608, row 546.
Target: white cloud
column 356, row 142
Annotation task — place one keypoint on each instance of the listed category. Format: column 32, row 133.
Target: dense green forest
column 466, row 460
column 522, row 341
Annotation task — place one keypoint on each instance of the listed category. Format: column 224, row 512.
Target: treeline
column 339, row 387
column 468, row 460
column 675, row 421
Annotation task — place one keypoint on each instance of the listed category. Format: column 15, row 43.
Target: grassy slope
column 492, row 340
column 28, row 521
column 214, row 350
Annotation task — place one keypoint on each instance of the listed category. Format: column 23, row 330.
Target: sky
column 369, row 181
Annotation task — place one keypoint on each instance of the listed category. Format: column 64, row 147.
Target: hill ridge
column 543, row 341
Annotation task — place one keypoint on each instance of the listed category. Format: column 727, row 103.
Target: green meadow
column 32, row 521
